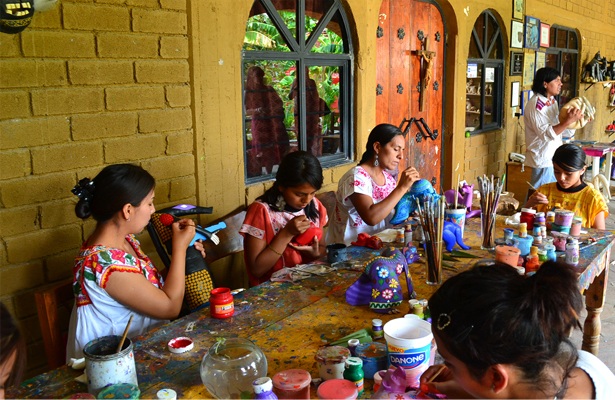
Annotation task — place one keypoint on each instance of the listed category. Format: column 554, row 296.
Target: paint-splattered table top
column 288, row 321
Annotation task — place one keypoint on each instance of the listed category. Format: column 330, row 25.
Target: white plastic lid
column 354, row 342
column 354, row 361
column 262, row 385
column 166, row 394
column 528, row 210
column 377, row 322
column 180, row 345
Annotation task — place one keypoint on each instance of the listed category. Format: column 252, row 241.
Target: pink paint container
column 332, row 362
column 563, row 218
column 337, row 389
column 292, row 384
column 507, row 255
column 575, row 228
column 559, row 240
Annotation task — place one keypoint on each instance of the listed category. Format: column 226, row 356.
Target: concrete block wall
column 88, row 84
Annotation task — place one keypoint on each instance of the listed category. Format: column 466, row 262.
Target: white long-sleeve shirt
column 540, row 115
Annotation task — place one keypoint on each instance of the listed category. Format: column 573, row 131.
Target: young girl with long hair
column 284, row 211
column 367, row 193
column 504, row 335
column 113, row 278
column 12, row 352
column 569, row 190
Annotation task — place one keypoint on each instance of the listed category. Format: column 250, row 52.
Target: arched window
column 485, row 76
column 563, row 55
column 297, row 83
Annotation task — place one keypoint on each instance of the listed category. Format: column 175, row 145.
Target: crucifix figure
column 426, row 70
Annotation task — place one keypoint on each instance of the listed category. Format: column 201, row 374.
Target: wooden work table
column 291, row 321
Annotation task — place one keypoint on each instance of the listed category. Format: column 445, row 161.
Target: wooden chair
column 231, row 241
column 47, row 303
column 328, row 200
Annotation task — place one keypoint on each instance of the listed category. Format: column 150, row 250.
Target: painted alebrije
column 407, row 205
column 411, row 255
column 451, row 234
column 379, row 285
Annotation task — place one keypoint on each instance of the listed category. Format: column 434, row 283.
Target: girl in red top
column 283, row 212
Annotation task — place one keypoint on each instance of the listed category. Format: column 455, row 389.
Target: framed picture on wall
column 545, row 33
column 516, row 63
column 514, row 94
column 528, row 69
column 526, row 95
column 518, row 9
column 516, row 35
column 541, row 60
column 532, row 32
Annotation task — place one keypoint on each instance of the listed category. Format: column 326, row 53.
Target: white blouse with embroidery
column 346, row 223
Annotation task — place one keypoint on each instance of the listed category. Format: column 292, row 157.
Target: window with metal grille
column 485, row 76
column 297, row 88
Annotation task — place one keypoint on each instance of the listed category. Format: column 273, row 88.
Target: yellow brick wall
column 88, row 84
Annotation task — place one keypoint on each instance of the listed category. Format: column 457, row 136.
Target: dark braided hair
column 493, row 315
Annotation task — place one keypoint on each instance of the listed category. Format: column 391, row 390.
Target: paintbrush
column 531, row 186
column 119, row 347
column 432, row 378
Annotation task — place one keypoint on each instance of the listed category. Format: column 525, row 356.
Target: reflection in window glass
column 572, row 41
column 330, row 40
column 474, row 53
column 473, row 100
column 268, row 121
column 561, row 38
column 314, row 11
column 261, row 33
column 565, row 60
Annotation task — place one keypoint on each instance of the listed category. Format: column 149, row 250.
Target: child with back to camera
column 283, row 212
column 504, row 335
column 570, row 190
column 113, row 278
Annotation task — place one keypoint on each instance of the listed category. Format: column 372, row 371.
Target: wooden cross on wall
column 426, row 58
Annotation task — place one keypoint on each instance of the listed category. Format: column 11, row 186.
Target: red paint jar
column 292, row 384
column 527, row 216
column 221, row 303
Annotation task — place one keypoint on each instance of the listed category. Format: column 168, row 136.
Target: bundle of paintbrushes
column 490, row 190
column 431, row 216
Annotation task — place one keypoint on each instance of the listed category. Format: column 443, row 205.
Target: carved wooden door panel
column 406, row 28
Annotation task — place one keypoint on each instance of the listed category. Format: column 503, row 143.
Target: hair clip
column 84, row 189
column 443, row 322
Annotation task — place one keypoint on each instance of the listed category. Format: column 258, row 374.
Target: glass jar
column 230, row 366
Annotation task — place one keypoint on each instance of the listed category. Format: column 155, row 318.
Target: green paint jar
column 354, row 372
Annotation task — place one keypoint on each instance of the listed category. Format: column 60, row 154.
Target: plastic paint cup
column 374, row 357
column 336, row 252
column 563, row 218
column 409, row 346
column 507, row 255
column 337, row 389
column 292, row 384
column 456, row 216
column 332, row 362
column 105, row 367
column 524, row 245
column 575, row 228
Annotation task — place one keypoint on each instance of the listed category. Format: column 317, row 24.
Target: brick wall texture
column 86, row 85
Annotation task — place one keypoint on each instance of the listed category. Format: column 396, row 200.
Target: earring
column 127, row 219
column 493, row 387
column 376, row 163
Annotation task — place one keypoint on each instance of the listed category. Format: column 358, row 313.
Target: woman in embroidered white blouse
column 367, row 194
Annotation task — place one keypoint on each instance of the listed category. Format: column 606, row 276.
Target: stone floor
column 607, row 335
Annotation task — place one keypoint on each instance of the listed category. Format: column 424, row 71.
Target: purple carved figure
column 464, row 198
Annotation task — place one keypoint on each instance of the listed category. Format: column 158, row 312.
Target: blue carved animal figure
column 451, row 234
column 407, row 205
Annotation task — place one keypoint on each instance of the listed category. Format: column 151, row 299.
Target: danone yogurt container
column 409, row 346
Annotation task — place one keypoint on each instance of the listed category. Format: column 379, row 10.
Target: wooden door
column 404, row 25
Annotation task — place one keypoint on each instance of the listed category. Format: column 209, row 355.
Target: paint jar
column 543, row 232
column 354, row 373
column 572, row 240
column 527, row 216
column 542, row 255
column 575, row 228
column 561, row 229
column 507, row 255
column 534, row 250
column 105, row 367
column 417, row 309
column 377, row 329
column 374, row 357
column 221, row 303
column 523, row 230
column 399, row 237
column 408, row 235
column 409, row 346
column 263, row 389
column 508, row 234
column 520, row 270
column 120, row 391
column 337, row 389
column 563, row 217
column 546, row 241
column 550, row 249
column 336, row 252
column 572, row 254
column 532, row 264
column 166, row 394
column 331, row 362
column 559, row 240
column 352, row 346
column 537, row 236
column 540, row 219
column 524, row 245
column 550, row 217
column 292, row 384
column 230, row 366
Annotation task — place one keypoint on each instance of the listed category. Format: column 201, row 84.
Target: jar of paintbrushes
column 490, row 190
column 431, row 216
